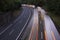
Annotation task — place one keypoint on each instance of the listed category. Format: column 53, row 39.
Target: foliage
column 51, row 5
column 6, row 5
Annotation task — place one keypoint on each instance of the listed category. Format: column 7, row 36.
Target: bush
column 7, row 5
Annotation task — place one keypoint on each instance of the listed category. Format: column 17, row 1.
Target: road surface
column 32, row 24
column 14, row 29
column 34, row 29
column 48, row 29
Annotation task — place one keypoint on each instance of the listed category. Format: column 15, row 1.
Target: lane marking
column 6, row 29
column 9, row 25
column 23, row 27
column 18, row 18
column 40, row 22
column 11, row 32
column 45, row 35
column 53, row 35
column 41, row 35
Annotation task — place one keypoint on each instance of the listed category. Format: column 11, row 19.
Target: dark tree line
column 51, row 5
column 7, row 5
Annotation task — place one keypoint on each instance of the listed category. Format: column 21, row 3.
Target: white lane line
column 9, row 26
column 6, row 29
column 41, row 35
column 18, row 18
column 23, row 28
column 40, row 22
column 11, row 32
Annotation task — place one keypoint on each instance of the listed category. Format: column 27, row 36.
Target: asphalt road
column 50, row 29
column 13, row 31
column 31, row 25
column 47, row 29
column 26, row 32
column 34, row 30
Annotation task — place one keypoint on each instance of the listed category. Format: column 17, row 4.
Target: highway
column 34, row 30
column 32, row 24
column 49, row 31
column 14, row 29
column 26, row 33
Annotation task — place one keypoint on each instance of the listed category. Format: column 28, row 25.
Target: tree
column 6, row 5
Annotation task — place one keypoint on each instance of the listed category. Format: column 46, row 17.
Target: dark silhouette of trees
column 7, row 5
